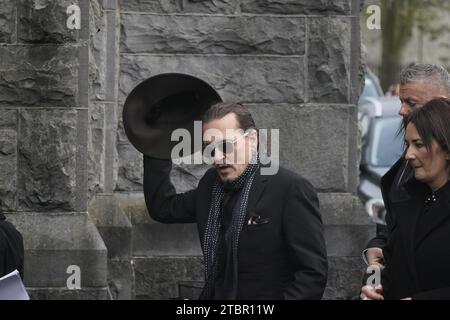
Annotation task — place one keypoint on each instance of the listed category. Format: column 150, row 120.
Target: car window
column 386, row 144
column 369, row 89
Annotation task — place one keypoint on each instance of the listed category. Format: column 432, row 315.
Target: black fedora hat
column 161, row 104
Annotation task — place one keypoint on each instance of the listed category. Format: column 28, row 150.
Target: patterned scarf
column 213, row 226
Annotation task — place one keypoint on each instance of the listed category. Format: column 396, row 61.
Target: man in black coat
column 11, row 248
column 261, row 235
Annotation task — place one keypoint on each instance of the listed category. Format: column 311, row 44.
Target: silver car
column 382, row 146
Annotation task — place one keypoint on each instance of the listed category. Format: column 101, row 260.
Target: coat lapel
column 439, row 214
column 259, row 184
column 392, row 183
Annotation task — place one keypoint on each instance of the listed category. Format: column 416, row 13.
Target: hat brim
column 162, row 104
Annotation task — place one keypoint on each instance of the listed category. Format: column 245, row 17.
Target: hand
column 375, row 256
column 409, row 298
column 371, row 293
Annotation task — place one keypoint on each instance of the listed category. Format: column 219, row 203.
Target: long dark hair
column 433, row 122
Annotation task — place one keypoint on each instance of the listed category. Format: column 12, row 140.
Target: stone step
column 150, row 238
column 158, row 277
column 115, row 229
column 190, row 290
column 112, row 224
column 55, row 242
column 64, row 294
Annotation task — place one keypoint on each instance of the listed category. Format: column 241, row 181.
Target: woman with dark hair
column 417, row 254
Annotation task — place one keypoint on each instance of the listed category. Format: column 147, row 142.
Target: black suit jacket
column 417, row 254
column 393, row 190
column 283, row 257
column 11, row 248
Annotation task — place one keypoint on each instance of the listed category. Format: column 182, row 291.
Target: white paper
column 12, row 288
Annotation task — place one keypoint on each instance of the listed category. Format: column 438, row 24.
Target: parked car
column 382, row 146
column 372, row 88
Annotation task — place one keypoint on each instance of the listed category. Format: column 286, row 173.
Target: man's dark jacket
column 393, row 191
column 281, row 257
column 11, row 248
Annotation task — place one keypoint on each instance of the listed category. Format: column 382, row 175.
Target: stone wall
column 296, row 65
column 43, row 138
column 66, row 161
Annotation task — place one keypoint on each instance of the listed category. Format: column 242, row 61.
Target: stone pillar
column 44, row 132
column 107, row 215
column 295, row 63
